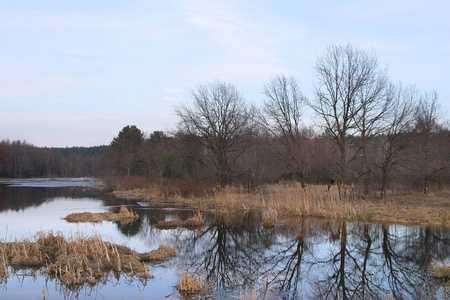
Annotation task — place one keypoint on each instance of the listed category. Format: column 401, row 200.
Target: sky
column 74, row 73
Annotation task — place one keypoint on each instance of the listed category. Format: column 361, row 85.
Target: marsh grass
column 439, row 270
column 270, row 217
column 193, row 285
column 171, row 224
column 289, row 199
column 195, row 221
column 124, row 216
column 76, row 260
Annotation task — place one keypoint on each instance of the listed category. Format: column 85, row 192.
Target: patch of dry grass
column 124, row 216
column 195, row 221
column 270, row 217
column 161, row 253
column 193, row 284
column 171, row 224
column 76, row 260
column 440, row 270
column 278, row 201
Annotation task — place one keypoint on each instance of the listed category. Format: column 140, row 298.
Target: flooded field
column 297, row 259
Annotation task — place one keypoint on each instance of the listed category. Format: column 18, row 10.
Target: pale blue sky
column 74, row 73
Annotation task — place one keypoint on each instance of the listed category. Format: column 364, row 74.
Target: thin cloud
column 246, row 46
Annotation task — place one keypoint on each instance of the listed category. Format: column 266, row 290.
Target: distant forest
column 369, row 133
column 81, row 151
column 19, row 159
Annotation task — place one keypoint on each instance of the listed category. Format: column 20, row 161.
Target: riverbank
column 280, row 201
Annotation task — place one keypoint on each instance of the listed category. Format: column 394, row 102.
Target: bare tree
column 220, row 120
column 427, row 115
column 397, row 136
column 347, row 82
column 281, row 117
column 374, row 102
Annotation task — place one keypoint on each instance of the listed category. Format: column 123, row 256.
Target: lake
column 307, row 258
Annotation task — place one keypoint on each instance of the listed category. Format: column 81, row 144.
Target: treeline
column 81, row 151
column 369, row 132
column 19, row 159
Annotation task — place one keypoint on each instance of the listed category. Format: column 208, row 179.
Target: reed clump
column 192, row 284
column 195, row 221
column 439, row 270
column 270, row 217
column 76, row 260
column 161, row 253
column 124, row 216
column 171, row 224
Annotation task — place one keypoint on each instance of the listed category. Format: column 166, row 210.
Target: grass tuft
column 439, row 270
column 124, row 216
column 194, row 221
column 193, row 284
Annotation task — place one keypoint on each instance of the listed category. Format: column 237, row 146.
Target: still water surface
column 299, row 259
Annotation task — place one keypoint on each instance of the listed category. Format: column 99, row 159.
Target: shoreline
column 282, row 201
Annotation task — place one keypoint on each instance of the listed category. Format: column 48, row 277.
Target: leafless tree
column 374, row 101
column 347, row 82
column 221, row 121
column 282, row 114
column 427, row 116
column 397, row 136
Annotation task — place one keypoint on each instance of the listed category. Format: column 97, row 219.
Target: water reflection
column 301, row 259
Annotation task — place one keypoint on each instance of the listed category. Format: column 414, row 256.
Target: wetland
column 231, row 252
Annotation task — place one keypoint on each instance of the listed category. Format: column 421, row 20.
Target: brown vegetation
column 124, row 216
column 284, row 200
column 193, row 284
column 440, row 270
column 76, row 260
column 168, row 224
column 194, row 221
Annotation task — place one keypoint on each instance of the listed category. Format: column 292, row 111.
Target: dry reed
column 439, row 270
column 291, row 200
column 159, row 254
column 193, row 284
column 168, row 224
column 76, row 260
column 195, row 221
column 124, row 216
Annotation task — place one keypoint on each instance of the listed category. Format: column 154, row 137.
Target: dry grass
column 161, row 253
column 270, row 217
column 168, row 224
column 439, row 270
column 278, row 201
column 195, row 221
column 124, row 216
column 77, row 260
column 193, row 284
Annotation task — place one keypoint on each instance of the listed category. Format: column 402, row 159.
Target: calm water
column 299, row 259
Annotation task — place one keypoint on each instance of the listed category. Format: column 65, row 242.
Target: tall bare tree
column 282, row 115
column 427, row 115
column 220, row 120
column 375, row 101
column 397, row 135
column 347, row 81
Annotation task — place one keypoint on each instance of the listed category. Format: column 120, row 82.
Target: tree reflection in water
column 303, row 259
column 320, row 259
